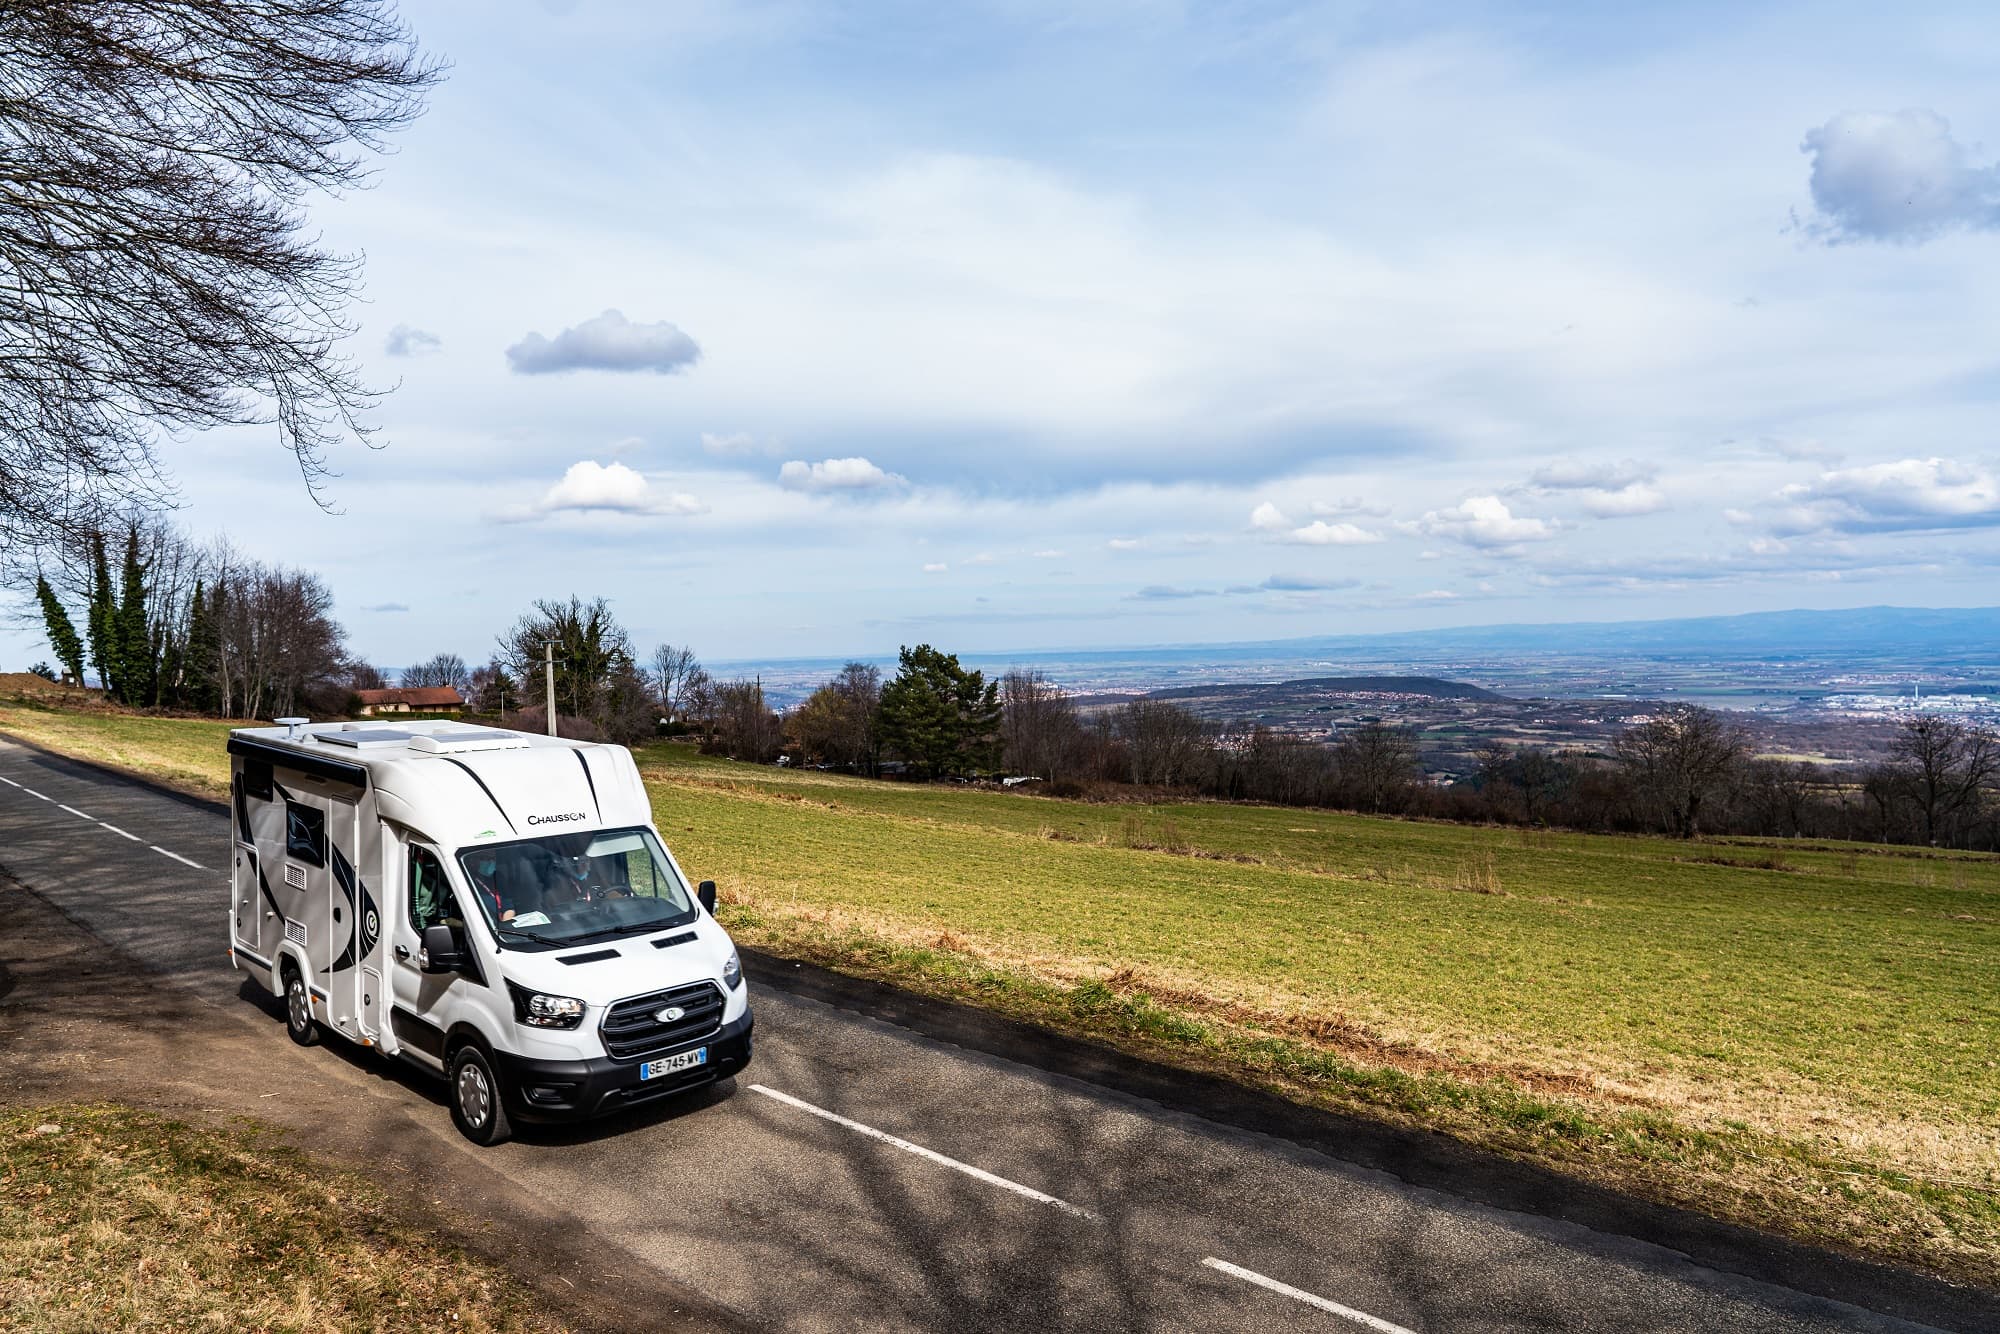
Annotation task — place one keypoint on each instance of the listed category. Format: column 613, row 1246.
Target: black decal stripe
column 343, row 875
column 243, row 814
column 592, row 781
column 319, row 766
column 263, row 963
column 265, row 885
column 483, row 788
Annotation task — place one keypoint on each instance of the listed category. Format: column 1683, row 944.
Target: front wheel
column 299, row 1025
column 477, row 1108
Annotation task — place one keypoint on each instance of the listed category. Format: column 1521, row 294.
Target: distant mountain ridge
column 1431, row 687
column 1759, row 631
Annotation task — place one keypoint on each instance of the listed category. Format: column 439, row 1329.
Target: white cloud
column 1888, row 497
column 1269, row 518
column 936, row 567
column 609, row 342
column 1628, row 501
column 608, row 487
column 1320, row 533
column 387, row 607
column 851, row 474
column 406, row 341
column 1576, row 475
column 1050, row 553
column 1345, row 506
column 983, row 558
column 1438, row 595
column 1125, row 543
column 1486, row 522
column 1897, row 176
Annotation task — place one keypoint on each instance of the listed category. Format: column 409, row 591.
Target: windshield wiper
column 530, row 935
column 627, row 929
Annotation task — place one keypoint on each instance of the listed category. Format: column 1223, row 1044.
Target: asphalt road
column 862, row 1175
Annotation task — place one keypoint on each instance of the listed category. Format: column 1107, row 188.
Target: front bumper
column 538, row 1090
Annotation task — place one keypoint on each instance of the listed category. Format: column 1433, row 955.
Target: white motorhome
column 491, row 906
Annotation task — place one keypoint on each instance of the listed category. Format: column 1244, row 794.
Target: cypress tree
column 137, row 665
column 101, row 621
column 197, row 667
column 62, row 634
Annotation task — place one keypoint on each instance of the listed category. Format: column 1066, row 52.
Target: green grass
column 113, row 1218
column 1799, row 1036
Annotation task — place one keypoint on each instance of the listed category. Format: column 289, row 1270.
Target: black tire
column 478, row 1103
column 300, row 1026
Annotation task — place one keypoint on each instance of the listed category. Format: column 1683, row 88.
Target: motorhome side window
column 305, row 833
column 431, row 900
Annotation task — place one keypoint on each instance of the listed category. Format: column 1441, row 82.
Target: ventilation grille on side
column 295, row 876
column 295, row 931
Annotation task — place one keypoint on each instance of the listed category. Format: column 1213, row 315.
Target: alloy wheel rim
column 300, row 1015
column 472, row 1094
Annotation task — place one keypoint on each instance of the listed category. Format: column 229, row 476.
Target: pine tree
column 939, row 715
column 62, row 634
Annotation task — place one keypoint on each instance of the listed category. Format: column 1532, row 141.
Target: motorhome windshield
column 562, row 889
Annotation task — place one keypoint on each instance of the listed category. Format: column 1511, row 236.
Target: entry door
column 422, row 897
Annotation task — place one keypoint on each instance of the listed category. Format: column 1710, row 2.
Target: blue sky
column 811, row 329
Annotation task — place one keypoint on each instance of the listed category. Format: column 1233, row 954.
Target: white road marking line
column 31, row 792
column 8, row 781
column 176, row 856
column 1375, row 1323
column 931, row 1155
column 120, row 832
column 74, row 811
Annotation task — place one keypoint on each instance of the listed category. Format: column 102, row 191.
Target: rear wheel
column 477, row 1108
column 299, row 1025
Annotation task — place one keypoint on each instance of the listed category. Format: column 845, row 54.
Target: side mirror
column 705, row 891
column 444, row 950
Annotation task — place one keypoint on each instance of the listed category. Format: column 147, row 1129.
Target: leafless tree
column 745, row 727
column 443, row 669
column 1167, row 745
column 674, row 668
column 155, row 264
column 1947, row 766
column 1039, row 733
column 278, row 641
column 1377, row 764
column 365, row 676
column 836, row 723
column 1678, row 759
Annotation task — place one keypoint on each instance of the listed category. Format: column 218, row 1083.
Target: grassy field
column 113, row 1218
column 1801, row 1036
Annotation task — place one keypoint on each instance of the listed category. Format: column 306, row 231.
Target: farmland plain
column 1801, row 1037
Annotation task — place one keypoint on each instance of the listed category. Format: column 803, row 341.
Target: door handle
column 402, row 953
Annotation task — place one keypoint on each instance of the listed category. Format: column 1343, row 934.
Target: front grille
column 630, row 1029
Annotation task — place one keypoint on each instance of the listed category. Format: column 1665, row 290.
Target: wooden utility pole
column 549, row 679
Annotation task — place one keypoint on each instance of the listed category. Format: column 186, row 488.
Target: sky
column 816, row 329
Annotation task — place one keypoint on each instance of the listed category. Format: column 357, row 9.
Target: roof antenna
column 291, row 726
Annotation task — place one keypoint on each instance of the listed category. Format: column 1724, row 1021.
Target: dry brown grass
column 113, row 1218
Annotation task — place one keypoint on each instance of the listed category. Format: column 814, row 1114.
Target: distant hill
column 1430, row 687
column 1778, row 632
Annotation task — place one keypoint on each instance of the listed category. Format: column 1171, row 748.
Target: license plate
column 686, row 1060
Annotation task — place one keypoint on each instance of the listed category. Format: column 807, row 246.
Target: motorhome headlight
column 732, row 972
column 538, row 1009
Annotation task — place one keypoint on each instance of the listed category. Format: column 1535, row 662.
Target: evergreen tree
column 938, row 715
column 195, row 685
column 136, row 664
column 101, row 620
column 63, row 638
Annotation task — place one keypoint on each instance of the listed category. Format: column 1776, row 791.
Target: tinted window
column 431, row 899
column 305, row 833
column 257, row 779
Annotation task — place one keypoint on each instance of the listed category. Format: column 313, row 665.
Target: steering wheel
column 615, row 892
